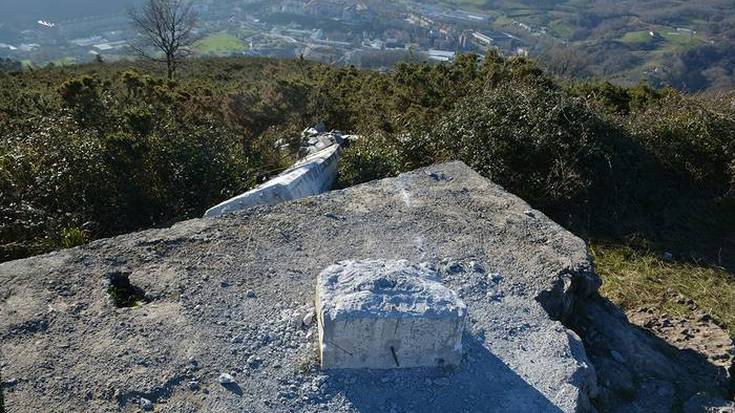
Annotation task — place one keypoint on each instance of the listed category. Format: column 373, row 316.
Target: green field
column 561, row 29
column 221, row 43
column 64, row 61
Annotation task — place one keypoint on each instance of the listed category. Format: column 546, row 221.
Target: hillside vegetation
column 92, row 151
column 685, row 44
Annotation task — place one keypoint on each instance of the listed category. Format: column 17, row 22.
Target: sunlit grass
column 637, row 37
column 634, row 279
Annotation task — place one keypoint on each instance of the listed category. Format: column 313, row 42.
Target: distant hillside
column 28, row 11
column 689, row 45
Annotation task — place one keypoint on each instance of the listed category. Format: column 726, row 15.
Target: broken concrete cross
column 377, row 314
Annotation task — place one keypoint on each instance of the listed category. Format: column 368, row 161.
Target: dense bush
column 606, row 161
column 98, row 150
column 542, row 143
column 693, row 138
column 105, row 156
column 370, row 158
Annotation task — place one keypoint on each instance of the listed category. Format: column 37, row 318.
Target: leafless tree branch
column 165, row 27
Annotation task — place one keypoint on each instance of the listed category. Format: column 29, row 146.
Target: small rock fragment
column 225, row 378
column 146, row 404
column 194, row 385
column 252, row 360
column 251, row 294
column 308, row 318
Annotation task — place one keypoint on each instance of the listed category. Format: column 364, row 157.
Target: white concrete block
column 379, row 314
column 313, row 175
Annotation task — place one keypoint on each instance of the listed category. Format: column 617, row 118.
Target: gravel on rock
column 202, row 322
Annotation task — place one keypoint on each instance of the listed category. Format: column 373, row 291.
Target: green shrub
column 538, row 142
column 73, row 237
column 118, row 151
column 367, row 160
column 83, row 96
column 693, row 139
column 618, row 99
column 119, row 148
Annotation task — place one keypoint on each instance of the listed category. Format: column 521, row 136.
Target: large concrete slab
column 378, row 314
column 313, row 175
column 233, row 295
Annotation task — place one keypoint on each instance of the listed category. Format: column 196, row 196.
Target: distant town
column 373, row 34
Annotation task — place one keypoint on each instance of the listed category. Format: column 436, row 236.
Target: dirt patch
column 696, row 331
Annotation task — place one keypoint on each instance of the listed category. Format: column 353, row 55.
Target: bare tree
column 166, row 27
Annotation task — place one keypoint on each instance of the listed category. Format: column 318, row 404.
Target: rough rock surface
column 382, row 314
column 69, row 348
column 639, row 372
column 234, row 296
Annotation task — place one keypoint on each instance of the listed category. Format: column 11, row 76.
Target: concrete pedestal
column 378, row 314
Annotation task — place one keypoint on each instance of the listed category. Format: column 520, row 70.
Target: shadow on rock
column 639, row 372
column 233, row 388
column 483, row 383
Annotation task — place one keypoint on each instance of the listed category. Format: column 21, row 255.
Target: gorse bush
column 693, row 138
column 542, row 143
column 99, row 150
column 606, row 161
column 370, row 159
column 112, row 156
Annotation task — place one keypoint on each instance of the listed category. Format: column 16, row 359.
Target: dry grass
column 633, row 279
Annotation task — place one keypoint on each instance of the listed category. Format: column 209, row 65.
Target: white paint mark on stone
column 403, row 191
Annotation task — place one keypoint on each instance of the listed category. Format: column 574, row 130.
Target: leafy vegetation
column 98, row 150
